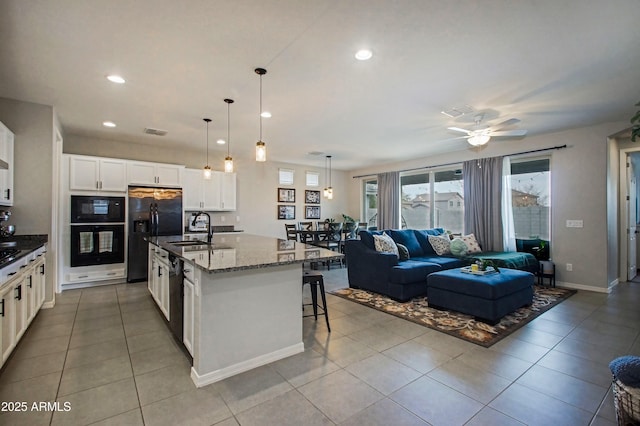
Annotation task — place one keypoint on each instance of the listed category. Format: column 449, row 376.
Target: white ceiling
column 552, row 64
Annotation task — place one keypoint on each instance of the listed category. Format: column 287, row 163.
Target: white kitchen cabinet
column 145, row 173
column 159, row 278
column 6, row 174
column 215, row 194
column 22, row 292
column 188, row 308
column 7, row 317
column 97, row 174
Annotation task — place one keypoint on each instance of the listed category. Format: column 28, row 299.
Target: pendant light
column 261, row 147
column 328, row 191
column 207, row 169
column 228, row 161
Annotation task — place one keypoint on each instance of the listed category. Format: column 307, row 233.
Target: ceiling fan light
column 478, row 140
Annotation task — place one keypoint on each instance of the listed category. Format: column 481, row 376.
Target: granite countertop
column 241, row 251
column 25, row 243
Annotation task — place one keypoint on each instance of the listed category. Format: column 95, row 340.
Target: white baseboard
column 575, row 286
column 241, row 367
column 49, row 305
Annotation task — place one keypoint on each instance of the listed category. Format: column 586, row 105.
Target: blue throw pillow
column 407, row 238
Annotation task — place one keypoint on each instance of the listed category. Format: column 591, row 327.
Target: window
column 371, row 202
column 530, row 194
column 285, row 176
column 313, row 178
column 448, row 187
column 415, row 199
column 441, row 189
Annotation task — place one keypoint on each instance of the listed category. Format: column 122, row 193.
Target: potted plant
column 542, row 251
column 349, row 227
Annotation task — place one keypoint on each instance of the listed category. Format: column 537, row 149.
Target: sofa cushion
column 446, row 262
column 410, row 271
column 385, row 244
column 422, row 235
column 407, row 238
column 441, row 245
column 403, row 252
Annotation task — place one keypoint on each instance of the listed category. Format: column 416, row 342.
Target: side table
column 547, row 269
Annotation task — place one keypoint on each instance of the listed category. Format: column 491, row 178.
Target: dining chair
column 305, row 226
column 291, row 230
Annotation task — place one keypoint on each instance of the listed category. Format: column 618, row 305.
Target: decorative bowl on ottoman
column 486, row 297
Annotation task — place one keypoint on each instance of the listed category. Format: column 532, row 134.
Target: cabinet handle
column 30, row 281
column 8, row 197
column 83, row 276
column 111, row 273
column 41, row 269
column 97, row 184
column 19, row 292
column 2, row 303
column 11, row 273
column 159, row 271
column 23, row 266
column 187, row 270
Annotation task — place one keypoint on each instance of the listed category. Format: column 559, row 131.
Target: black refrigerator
column 152, row 211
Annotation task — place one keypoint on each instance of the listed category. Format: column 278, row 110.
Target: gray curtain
column 389, row 200
column 483, row 201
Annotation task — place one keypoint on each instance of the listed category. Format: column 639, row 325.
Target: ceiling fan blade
column 506, row 123
column 458, row 129
column 508, row 133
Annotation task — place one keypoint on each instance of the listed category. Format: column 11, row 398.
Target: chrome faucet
column 209, row 229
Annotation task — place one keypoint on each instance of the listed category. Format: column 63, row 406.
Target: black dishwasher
column 176, row 296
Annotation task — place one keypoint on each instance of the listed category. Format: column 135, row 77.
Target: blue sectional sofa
column 403, row 280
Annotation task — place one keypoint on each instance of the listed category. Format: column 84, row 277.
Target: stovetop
column 7, row 255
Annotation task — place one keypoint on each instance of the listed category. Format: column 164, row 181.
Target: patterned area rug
column 454, row 323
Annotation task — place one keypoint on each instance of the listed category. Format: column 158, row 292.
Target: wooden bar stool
column 315, row 280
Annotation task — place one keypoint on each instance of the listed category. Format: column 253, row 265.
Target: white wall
column 579, row 179
column 257, row 183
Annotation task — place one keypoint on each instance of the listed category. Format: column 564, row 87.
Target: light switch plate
column 573, row 223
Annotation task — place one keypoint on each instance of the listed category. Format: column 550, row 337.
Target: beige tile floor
column 106, row 353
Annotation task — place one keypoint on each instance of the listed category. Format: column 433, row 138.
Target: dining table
column 313, row 236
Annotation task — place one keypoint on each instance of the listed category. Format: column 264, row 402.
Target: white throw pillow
column 441, row 245
column 385, row 244
column 472, row 244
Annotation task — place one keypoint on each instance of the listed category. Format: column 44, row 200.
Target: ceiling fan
column 480, row 135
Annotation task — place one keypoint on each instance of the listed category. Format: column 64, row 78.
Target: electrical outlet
column 237, row 218
column 223, row 218
column 569, row 266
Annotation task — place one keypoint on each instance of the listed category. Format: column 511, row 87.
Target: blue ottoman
column 486, row 297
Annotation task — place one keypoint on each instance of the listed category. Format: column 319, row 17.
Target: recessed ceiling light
column 108, row 124
column 266, row 114
column 115, row 79
column 221, row 141
column 363, row 54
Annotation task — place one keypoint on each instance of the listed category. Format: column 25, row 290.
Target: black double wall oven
column 97, row 230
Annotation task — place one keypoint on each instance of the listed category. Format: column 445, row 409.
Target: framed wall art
column 286, row 195
column 286, row 212
column 311, row 197
column 312, row 212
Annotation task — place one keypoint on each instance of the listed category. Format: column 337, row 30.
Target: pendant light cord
column 260, row 107
column 228, row 127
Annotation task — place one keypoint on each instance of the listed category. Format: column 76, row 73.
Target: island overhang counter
column 242, row 300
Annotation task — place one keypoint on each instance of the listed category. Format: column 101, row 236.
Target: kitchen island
column 242, row 299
